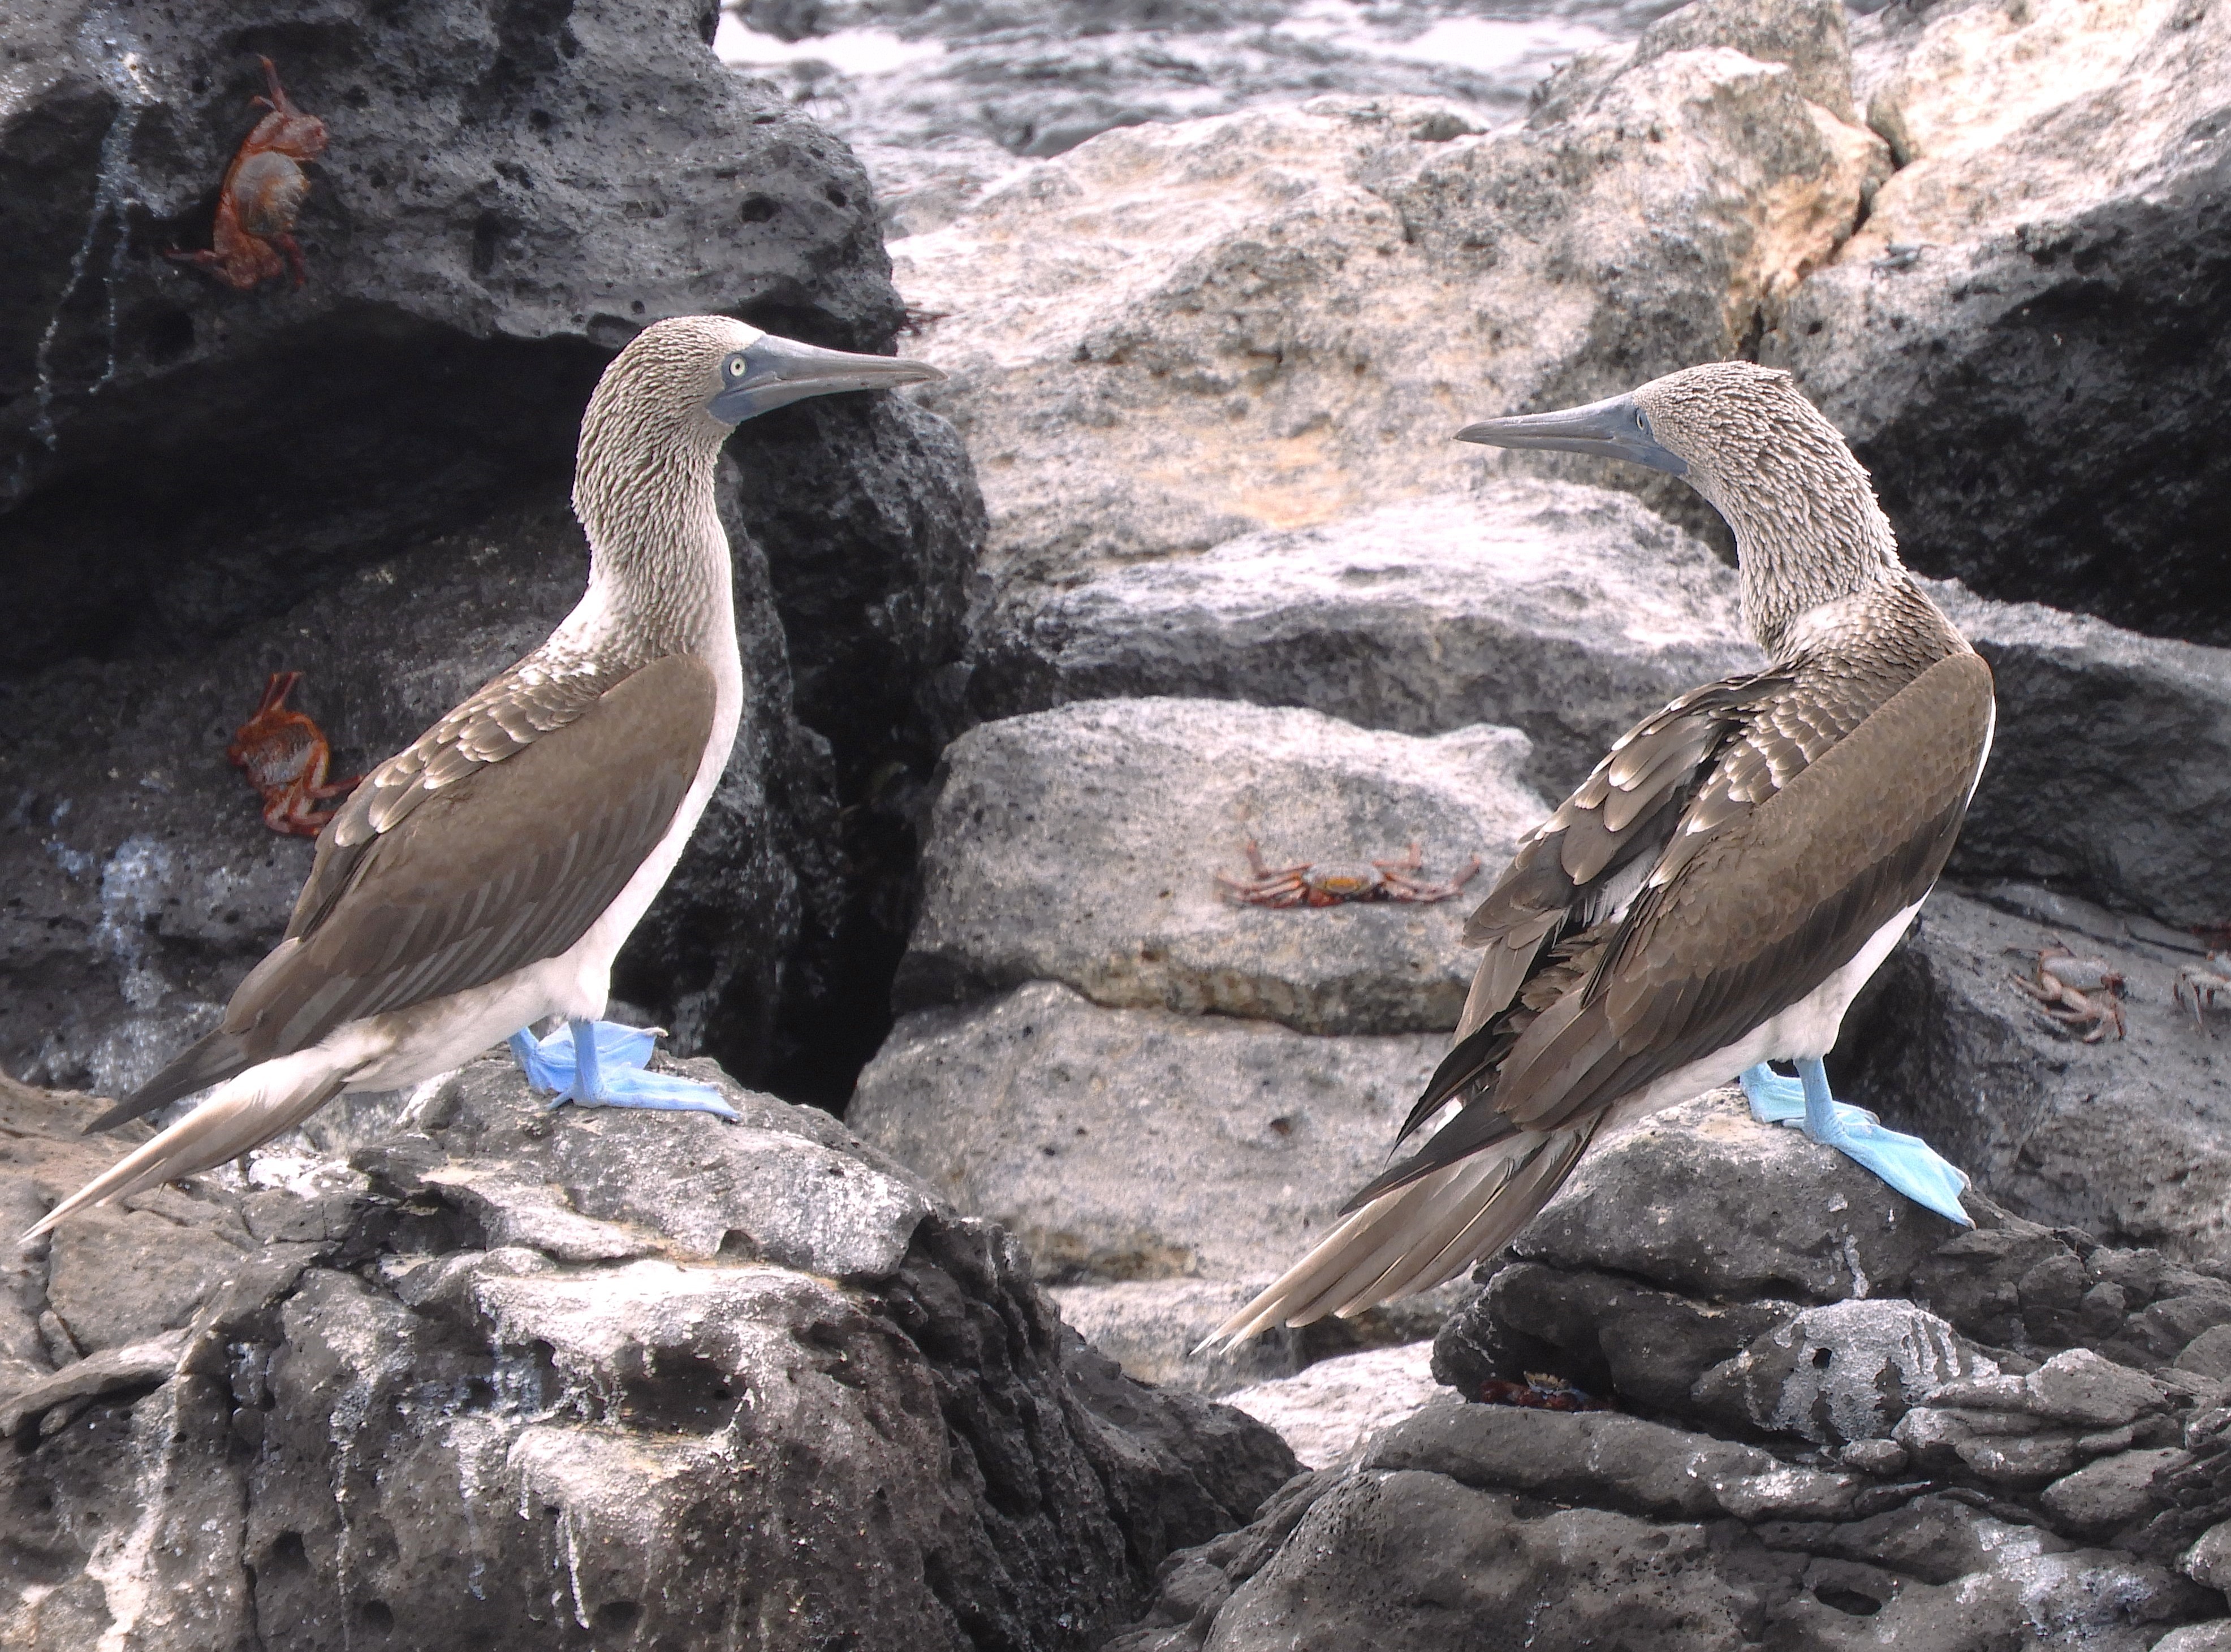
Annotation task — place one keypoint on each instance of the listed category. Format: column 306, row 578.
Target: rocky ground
column 1214, row 285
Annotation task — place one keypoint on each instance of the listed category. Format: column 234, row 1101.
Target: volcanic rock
column 534, row 1379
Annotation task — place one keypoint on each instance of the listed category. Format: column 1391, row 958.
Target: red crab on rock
column 261, row 195
column 284, row 755
column 1339, row 883
column 1540, row 1392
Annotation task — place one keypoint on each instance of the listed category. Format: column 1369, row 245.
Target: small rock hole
column 1822, row 1357
column 617, row 1617
column 375, row 1617
column 756, row 209
column 288, row 1556
column 1846, row 1600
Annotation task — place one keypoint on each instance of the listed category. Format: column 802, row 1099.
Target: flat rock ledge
column 510, row 1378
column 1830, row 1420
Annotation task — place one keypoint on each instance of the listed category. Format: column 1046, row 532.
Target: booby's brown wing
column 492, row 842
column 1801, row 845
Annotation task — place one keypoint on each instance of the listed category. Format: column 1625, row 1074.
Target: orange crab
column 1312, row 884
column 261, row 195
column 284, row 755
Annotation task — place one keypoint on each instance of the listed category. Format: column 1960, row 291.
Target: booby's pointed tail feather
column 245, row 1111
column 1421, row 1234
column 210, row 1060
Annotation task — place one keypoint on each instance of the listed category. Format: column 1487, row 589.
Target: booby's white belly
column 1806, row 1028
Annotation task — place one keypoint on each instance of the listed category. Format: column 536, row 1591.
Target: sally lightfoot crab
column 253, row 239
column 2198, row 983
column 2075, row 992
column 1339, row 883
column 285, row 756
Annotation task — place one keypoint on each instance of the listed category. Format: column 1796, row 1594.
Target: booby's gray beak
column 778, row 371
column 1617, row 429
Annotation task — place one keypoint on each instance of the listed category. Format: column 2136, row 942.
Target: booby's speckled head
column 1807, row 525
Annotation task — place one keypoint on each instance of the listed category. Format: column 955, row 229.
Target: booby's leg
column 1907, row 1163
column 601, row 1064
column 1777, row 1100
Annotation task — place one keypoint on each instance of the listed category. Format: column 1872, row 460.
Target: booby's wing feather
column 1579, row 866
column 1752, row 905
column 497, row 844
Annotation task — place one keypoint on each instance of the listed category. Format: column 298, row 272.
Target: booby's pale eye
column 736, row 367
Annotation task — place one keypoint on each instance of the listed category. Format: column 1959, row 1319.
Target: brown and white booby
column 484, row 877
column 1715, row 893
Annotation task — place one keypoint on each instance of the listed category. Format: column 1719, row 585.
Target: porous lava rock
column 522, row 1379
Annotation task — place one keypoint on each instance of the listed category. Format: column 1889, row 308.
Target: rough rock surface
column 1114, row 1145
column 1329, row 1409
column 1840, row 1423
column 2124, row 1138
column 1286, row 313
column 1563, row 611
column 1082, row 845
column 2025, row 341
column 513, row 1381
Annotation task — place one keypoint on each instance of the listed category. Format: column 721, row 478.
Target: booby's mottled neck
column 659, row 574
column 1808, row 532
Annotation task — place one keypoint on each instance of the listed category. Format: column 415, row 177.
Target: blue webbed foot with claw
column 1906, row 1162
column 602, row 1064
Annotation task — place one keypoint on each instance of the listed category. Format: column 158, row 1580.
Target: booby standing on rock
column 484, row 877
column 1716, row 892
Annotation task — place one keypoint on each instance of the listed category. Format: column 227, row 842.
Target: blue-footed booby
column 1715, row 893
column 483, row 879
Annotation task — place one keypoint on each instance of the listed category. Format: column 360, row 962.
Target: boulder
column 2123, row 1138
column 1171, row 336
column 1082, row 845
column 2023, row 340
column 1564, row 610
column 524, row 1378
column 1138, row 1144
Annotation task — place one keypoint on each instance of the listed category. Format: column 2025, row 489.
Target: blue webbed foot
column 602, row 1064
column 1906, row 1162
column 1777, row 1099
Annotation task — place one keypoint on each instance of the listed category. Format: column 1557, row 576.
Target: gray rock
column 1081, row 845
column 1328, row 1410
column 1290, row 309
column 2208, row 1354
column 2110, row 1492
column 548, row 1384
column 1354, row 1567
column 2124, row 1138
column 2023, row 287
column 1842, row 1374
column 1565, row 611
column 1138, row 1144
column 2110, row 773
column 2197, row 1637
column 2208, row 1561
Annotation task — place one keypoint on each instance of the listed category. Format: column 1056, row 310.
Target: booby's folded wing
column 1794, row 853
column 496, row 844
column 1583, row 864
